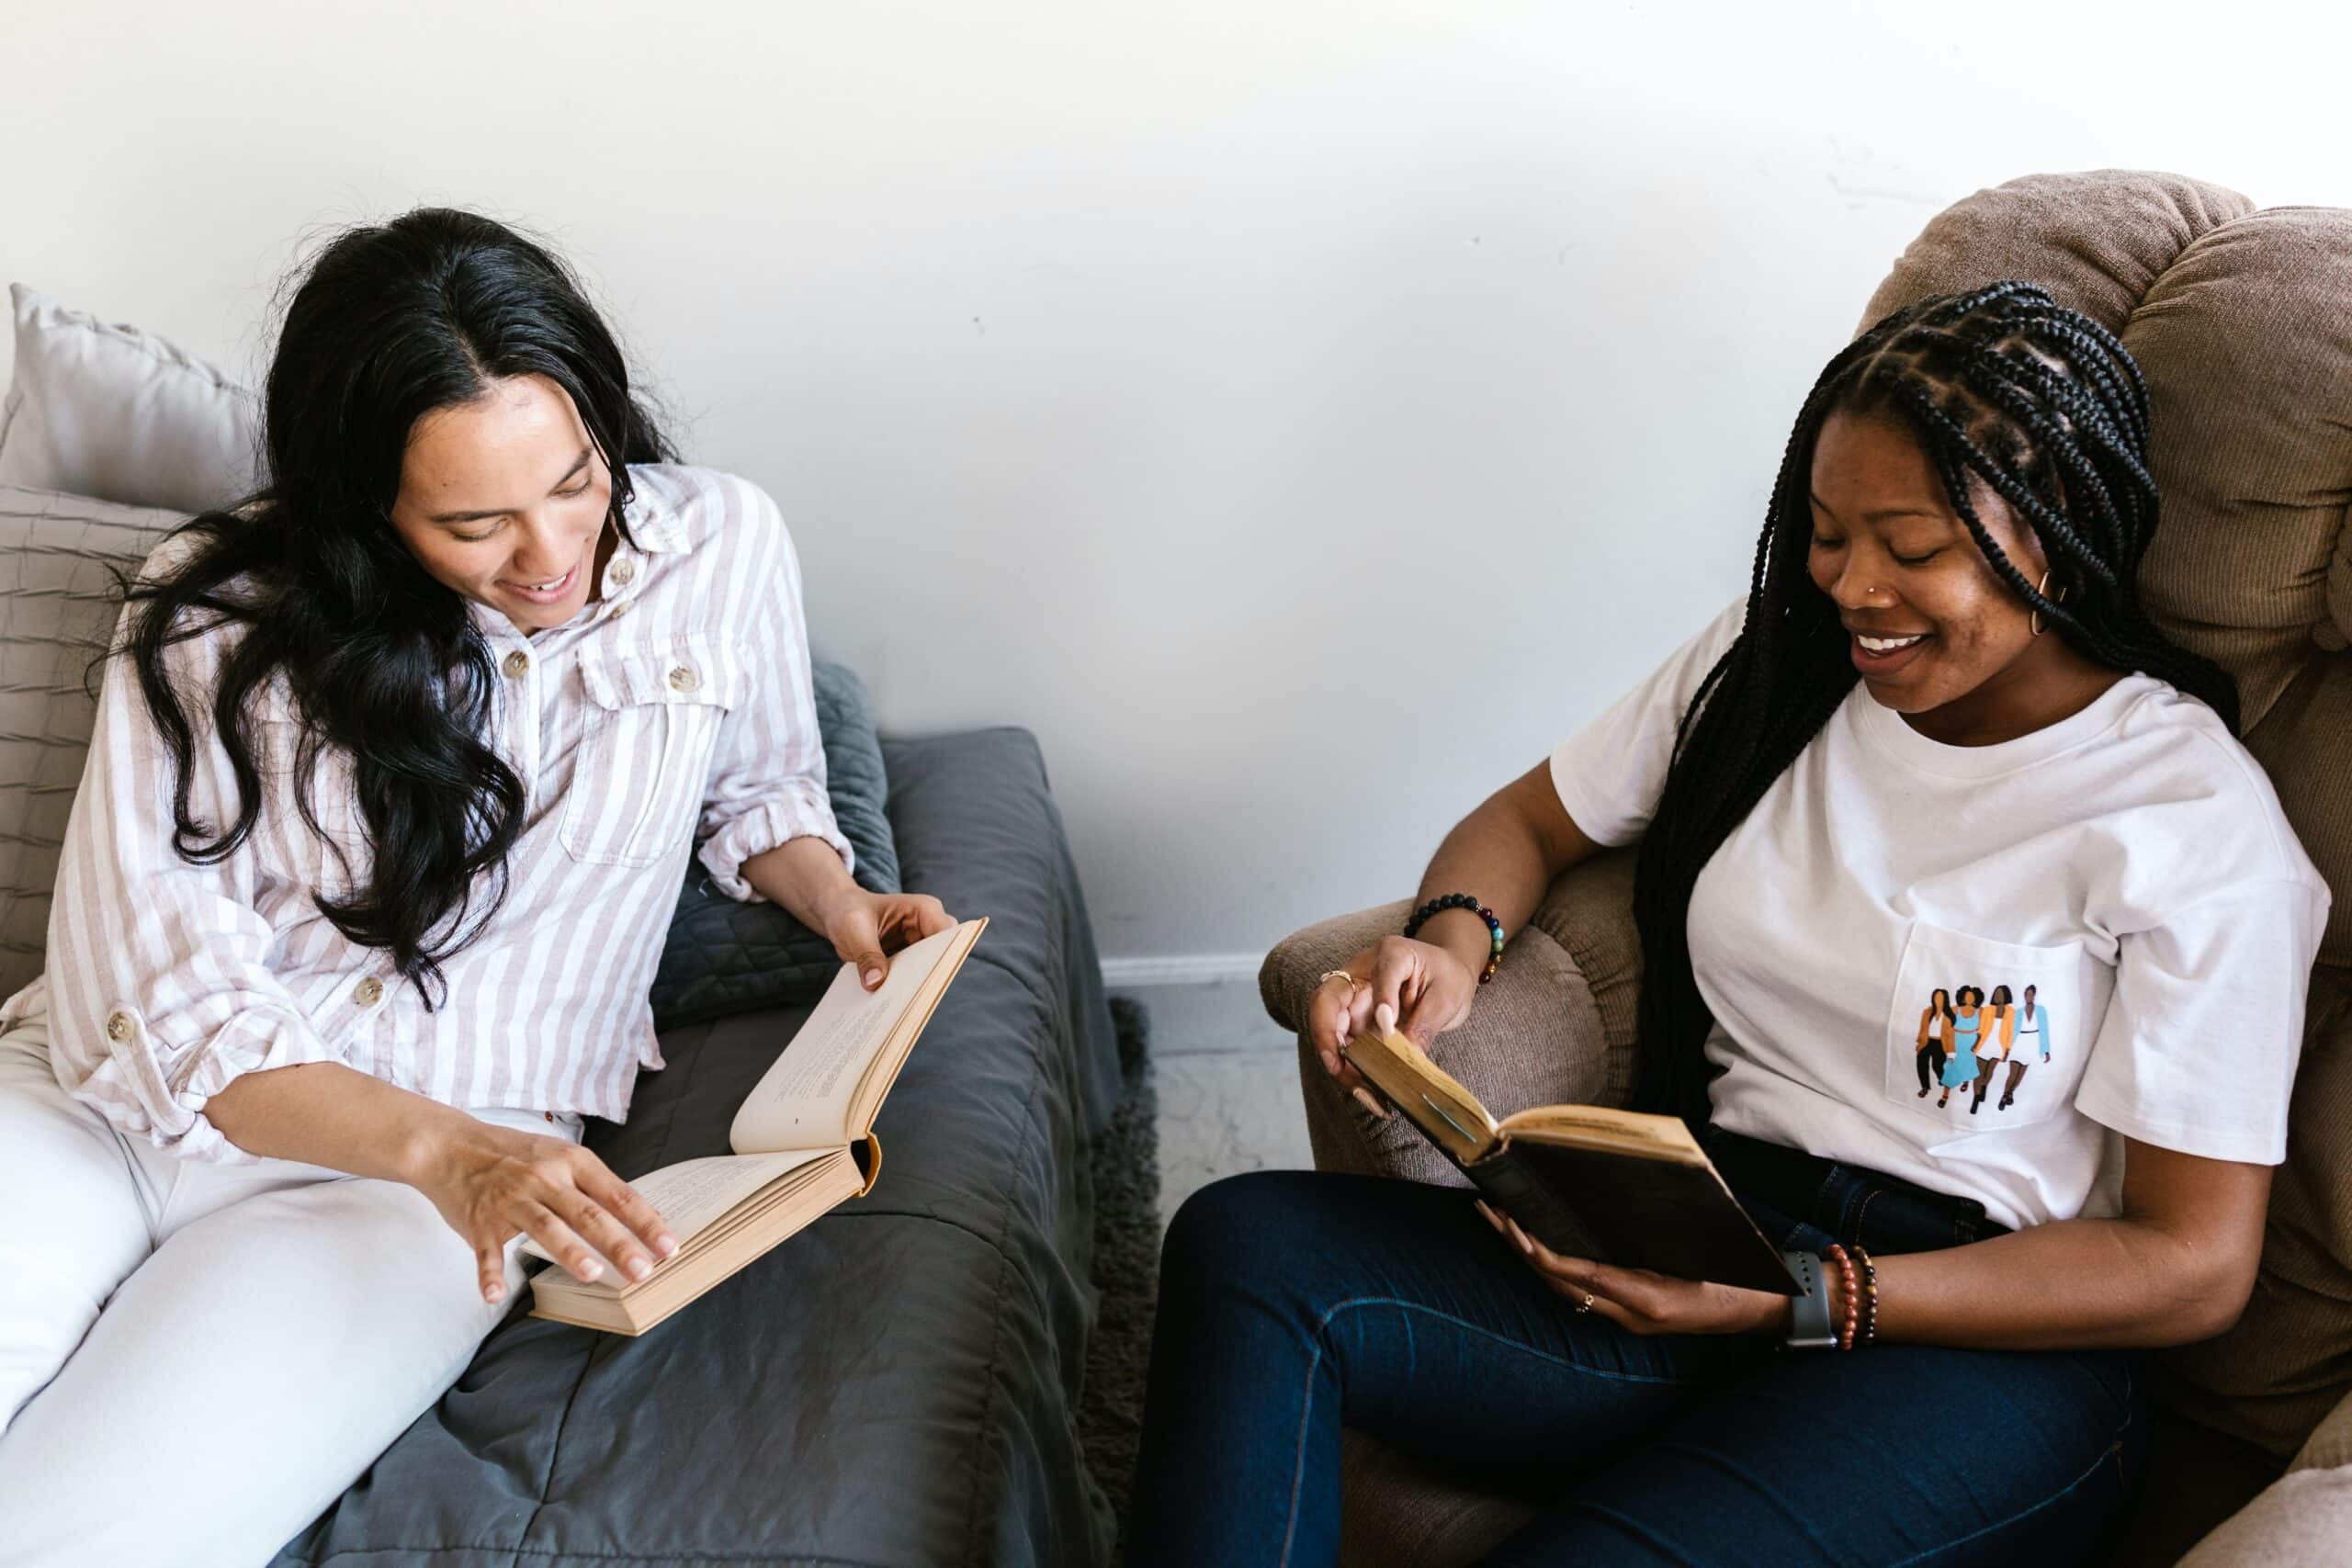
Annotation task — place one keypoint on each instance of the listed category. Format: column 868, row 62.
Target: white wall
column 1299, row 413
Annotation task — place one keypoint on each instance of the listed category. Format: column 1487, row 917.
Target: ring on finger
column 1330, row 975
column 1585, row 1305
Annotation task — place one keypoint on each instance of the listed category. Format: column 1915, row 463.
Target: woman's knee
column 1266, row 1236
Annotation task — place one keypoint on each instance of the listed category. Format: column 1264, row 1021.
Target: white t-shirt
column 2128, row 863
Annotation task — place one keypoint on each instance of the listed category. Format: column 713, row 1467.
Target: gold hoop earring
column 2042, row 587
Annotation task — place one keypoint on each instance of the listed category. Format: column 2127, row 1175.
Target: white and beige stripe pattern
column 676, row 708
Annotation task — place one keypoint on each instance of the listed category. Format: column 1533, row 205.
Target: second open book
column 803, row 1141
column 1585, row 1181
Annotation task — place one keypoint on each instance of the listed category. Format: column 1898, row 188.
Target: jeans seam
column 1821, row 1195
column 1306, row 1404
column 1861, row 1210
column 2114, row 1451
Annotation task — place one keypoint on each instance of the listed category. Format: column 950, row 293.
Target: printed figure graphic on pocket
column 1967, row 1031
column 1934, row 1038
column 2000, row 1031
column 2033, row 1031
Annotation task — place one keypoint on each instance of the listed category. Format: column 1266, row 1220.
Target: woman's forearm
column 328, row 1114
column 804, row 875
column 2071, row 1284
column 1505, row 853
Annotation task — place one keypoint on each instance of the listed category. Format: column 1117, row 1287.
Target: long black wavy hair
column 391, row 323
column 2004, row 388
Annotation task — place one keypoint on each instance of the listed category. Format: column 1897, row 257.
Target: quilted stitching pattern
column 59, row 555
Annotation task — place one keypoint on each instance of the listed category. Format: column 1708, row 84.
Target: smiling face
column 1936, row 635
column 504, row 500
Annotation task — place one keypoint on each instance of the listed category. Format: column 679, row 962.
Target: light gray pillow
column 57, row 614
column 103, row 409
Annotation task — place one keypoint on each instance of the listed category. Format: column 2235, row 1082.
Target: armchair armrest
column 1554, row 1026
column 2300, row 1520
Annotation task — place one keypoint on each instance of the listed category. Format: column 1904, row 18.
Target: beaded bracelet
column 1422, row 916
column 1853, row 1314
column 1869, row 1293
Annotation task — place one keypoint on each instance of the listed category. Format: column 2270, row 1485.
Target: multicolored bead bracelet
column 1422, row 916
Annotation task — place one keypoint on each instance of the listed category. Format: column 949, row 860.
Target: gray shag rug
column 1124, row 1162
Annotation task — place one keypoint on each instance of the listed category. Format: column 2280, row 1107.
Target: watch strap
column 1809, row 1328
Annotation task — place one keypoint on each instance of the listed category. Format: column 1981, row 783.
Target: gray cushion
column 725, row 957
column 58, row 558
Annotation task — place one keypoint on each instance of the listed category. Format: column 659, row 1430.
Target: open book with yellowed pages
column 803, row 1140
column 1585, row 1181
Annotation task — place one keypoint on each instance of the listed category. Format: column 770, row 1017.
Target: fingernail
column 638, row 1268
column 589, row 1269
column 1519, row 1237
column 874, row 977
column 1385, row 1016
column 1330, row 1062
column 1365, row 1100
column 665, row 1243
column 495, row 1294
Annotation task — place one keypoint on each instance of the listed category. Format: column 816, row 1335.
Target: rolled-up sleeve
column 768, row 776
column 159, row 983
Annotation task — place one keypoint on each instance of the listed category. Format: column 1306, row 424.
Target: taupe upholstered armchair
column 2242, row 321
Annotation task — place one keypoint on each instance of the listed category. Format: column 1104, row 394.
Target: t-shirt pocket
column 1986, row 1034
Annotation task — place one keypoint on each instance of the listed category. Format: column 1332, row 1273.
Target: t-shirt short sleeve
column 1611, row 773
column 2198, row 1048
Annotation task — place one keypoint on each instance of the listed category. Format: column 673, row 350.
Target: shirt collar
column 654, row 523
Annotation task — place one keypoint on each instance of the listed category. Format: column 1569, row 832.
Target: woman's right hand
column 1415, row 987
column 492, row 1183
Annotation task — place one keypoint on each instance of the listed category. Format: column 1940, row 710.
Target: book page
column 694, row 1193
column 1599, row 1126
column 803, row 1099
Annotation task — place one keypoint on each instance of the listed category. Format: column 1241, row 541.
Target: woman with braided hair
column 1856, row 782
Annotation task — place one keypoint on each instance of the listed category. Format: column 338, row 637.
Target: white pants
column 197, row 1359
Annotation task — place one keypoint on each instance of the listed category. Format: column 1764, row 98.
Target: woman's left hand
column 1641, row 1301
column 866, row 928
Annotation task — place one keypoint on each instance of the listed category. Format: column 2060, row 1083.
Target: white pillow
column 116, row 413
column 57, row 614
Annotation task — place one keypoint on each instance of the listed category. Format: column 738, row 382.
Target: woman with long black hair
column 396, row 772
column 1851, row 787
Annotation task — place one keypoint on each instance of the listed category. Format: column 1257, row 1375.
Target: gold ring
column 1330, row 975
column 1585, row 1305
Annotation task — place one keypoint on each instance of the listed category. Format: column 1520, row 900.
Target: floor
column 1228, row 1086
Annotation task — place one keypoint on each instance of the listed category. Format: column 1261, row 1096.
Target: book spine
column 1541, row 1213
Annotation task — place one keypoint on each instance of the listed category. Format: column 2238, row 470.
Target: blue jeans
column 1295, row 1302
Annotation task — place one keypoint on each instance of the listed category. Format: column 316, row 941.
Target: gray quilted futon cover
column 894, row 1385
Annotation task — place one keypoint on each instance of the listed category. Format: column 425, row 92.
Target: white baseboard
column 1183, row 969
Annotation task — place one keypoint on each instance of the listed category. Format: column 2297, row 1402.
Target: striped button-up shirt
column 672, row 710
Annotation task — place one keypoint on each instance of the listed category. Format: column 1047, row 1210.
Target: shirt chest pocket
column 653, row 718
column 1986, row 1034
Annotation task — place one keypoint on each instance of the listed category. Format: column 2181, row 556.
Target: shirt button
column 684, row 679
column 369, row 992
column 619, row 610
column 621, row 572
column 118, row 1026
column 519, row 663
